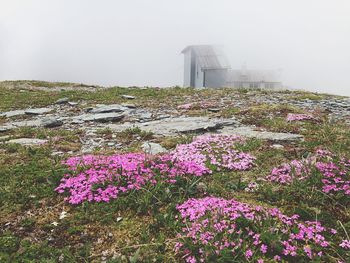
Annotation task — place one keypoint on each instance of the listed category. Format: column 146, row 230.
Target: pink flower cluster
column 334, row 172
column 215, row 227
column 286, row 173
column 102, row 178
column 217, row 151
column 299, row 117
column 187, row 106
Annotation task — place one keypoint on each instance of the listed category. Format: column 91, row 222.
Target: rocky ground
column 42, row 124
column 194, row 113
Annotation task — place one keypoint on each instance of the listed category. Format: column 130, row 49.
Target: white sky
column 138, row 42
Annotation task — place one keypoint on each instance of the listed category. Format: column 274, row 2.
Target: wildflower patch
column 216, row 228
column 323, row 169
column 103, row 178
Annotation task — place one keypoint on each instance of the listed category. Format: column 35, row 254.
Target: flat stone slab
column 128, row 97
column 28, row 123
column 99, row 117
column 108, row 108
column 51, row 122
column 47, row 122
column 129, row 105
column 6, row 128
column 9, row 114
column 28, row 141
column 38, row 111
column 249, row 132
column 153, row 148
column 140, row 114
column 173, row 126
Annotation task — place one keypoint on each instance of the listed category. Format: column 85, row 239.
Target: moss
column 9, row 243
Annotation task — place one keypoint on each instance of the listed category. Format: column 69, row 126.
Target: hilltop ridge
column 66, row 149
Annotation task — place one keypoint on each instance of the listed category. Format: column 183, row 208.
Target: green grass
column 150, row 97
column 306, row 95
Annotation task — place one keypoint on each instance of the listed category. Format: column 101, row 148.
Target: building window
column 254, row 85
column 269, row 85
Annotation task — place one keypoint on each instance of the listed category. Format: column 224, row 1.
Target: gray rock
column 249, row 132
column 129, row 105
column 38, row 111
column 76, row 120
column 26, row 123
column 173, row 126
column 28, row 141
column 99, row 117
column 144, row 117
column 13, row 113
column 62, row 101
column 12, row 125
column 57, row 153
column 128, row 97
column 153, row 148
column 51, row 122
column 140, row 115
column 277, row 146
column 213, row 109
column 6, row 128
column 72, row 103
column 162, row 116
column 88, row 109
column 108, row 108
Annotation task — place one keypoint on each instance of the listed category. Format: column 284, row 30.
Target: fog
column 139, row 42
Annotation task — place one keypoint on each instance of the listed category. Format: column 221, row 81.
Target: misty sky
column 138, row 42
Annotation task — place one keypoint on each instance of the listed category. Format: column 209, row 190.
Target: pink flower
column 191, row 259
column 345, row 244
column 248, row 254
column 277, row 258
column 308, row 251
column 263, row 248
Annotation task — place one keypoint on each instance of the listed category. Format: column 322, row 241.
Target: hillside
column 95, row 174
